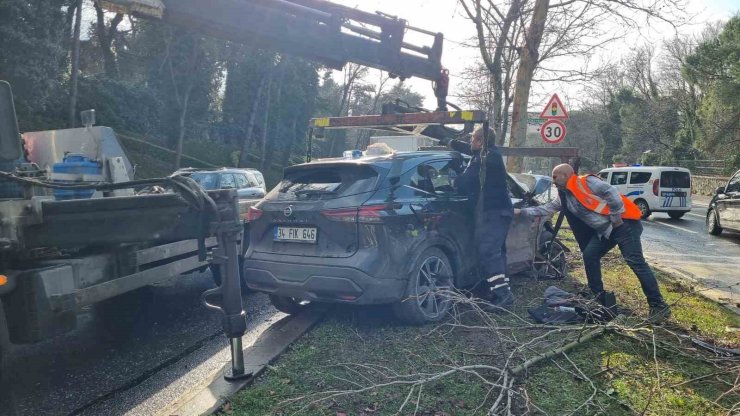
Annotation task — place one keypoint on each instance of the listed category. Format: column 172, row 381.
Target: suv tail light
column 365, row 214
column 656, row 187
column 253, row 214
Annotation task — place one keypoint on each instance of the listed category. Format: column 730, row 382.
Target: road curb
column 688, row 278
column 210, row 395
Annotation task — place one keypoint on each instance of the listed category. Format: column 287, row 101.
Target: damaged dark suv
column 377, row 230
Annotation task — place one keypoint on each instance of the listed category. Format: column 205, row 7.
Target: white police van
column 653, row 188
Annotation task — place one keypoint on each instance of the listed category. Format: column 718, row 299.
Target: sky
column 446, row 16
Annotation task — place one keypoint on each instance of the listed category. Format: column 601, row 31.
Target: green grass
column 356, row 348
column 317, row 363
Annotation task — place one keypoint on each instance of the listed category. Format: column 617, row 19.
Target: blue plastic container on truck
column 76, row 169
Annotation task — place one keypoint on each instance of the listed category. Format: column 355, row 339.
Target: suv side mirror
column 10, row 138
column 719, row 190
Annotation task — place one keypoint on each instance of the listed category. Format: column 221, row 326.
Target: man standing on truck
column 493, row 225
column 601, row 218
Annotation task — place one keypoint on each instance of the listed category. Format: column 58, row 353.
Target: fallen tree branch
column 557, row 351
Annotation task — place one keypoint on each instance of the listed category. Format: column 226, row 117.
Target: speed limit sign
column 553, row 131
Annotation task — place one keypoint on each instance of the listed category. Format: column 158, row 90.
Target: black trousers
column 627, row 237
column 493, row 228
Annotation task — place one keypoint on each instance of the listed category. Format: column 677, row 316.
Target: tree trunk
column 493, row 62
column 496, row 72
column 285, row 160
column 527, row 64
column 184, row 99
column 263, row 143
column 246, row 140
column 105, row 39
column 364, row 137
column 75, row 66
column 352, row 73
column 505, row 125
column 270, row 146
column 181, row 124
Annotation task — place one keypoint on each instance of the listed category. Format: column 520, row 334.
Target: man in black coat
column 493, row 224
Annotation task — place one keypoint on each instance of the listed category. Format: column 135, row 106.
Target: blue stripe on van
column 635, row 193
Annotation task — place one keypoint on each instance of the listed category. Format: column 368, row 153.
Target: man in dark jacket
column 493, row 224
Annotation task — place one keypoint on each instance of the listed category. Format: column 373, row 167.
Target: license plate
column 680, row 194
column 296, row 234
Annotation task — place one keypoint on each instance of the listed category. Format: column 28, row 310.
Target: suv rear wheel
column 427, row 297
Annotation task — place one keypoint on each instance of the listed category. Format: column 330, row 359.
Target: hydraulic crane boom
column 314, row 29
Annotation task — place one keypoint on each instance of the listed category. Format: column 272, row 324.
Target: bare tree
column 639, row 71
column 351, row 75
column 495, row 32
column 182, row 92
column 558, row 31
column 528, row 61
column 106, row 36
column 383, row 78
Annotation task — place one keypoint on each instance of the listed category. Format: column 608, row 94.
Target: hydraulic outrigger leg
column 228, row 296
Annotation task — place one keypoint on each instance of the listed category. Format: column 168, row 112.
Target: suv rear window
column 325, row 182
column 675, row 180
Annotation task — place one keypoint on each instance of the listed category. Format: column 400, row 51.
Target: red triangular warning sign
column 554, row 109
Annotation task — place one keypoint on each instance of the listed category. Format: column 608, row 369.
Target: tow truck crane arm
column 314, row 29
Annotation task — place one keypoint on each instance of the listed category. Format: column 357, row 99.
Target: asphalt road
column 684, row 245
column 133, row 364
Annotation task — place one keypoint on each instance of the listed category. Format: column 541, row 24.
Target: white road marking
column 696, row 215
column 672, row 226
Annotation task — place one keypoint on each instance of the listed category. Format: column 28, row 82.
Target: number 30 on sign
column 553, row 131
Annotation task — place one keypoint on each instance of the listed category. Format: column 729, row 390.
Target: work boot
column 659, row 313
column 503, row 297
column 498, row 294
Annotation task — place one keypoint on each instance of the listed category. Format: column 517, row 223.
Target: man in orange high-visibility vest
column 602, row 218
